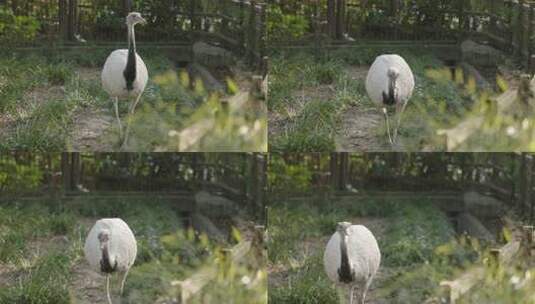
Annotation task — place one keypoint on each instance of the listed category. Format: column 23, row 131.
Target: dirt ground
column 87, row 286
column 279, row 275
column 360, row 125
column 91, row 132
column 95, row 126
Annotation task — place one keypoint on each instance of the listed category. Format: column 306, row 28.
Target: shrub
column 285, row 26
column 17, row 28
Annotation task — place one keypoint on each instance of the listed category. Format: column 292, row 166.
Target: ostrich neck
column 105, row 263
column 390, row 98
column 345, row 272
column 131, row 38
column 392, row 88
column 130, row 70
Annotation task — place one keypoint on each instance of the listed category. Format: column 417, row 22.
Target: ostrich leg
column 124, row 279
column 385, row 112
column 133, row 106
column 366, row 287
column 351, row 289
column 116, row 104
column 132, row 109
column 399, row 113
column 108, row 288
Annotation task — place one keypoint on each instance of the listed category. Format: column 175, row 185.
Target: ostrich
column 125, row 74
column 352, row 258
column 390, row 82
column 111, row 247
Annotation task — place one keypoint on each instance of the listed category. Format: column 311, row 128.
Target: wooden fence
column 508, row 176
column 508, row 25
column 237, row 24
column 239, row 176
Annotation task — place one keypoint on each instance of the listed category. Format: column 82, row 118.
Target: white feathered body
column 113, row 79
column 377, row 80
column 363, row 252
column 122, row 244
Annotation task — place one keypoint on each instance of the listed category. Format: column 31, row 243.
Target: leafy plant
column 282, row 26
column 17, row 29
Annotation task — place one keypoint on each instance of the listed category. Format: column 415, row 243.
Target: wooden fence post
column 493, row 17
column 62, row 18
column 127, row 7
column 241, row 21
column 252, row 41
column 462, row 20
column 340, row 19
column 516, row 26
column 525, row 24
column 223, row 11
column 261, row 184
column 263, row 35
column 344, row 166
column 72, row 19
column 333, row 168
column 529, row 194
column 531, row 40
column 523, row 182
column 192, row 15
column 508, row 5
column 331, row 17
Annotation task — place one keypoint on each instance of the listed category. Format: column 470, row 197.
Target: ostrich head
column 104, row 238
column 341, row 227
column 135, row 18
column 393, row 73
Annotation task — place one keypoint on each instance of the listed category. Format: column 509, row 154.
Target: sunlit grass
column 166, row 253
column 327, row 80
column 413, row 232
column 43, row 97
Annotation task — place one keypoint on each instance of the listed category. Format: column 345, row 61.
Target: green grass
column 43, row 98
column 418, row 246
column 47, row 282
column 435, row 104
column 166, row 252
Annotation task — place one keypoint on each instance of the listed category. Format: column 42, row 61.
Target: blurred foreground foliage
column 44, row 98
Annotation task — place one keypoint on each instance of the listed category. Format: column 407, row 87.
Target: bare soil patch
column 92, row 131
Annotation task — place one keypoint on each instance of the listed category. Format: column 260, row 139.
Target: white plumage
column 111, row 247
column 125, row 74
column 113, row 80
column 390, row 82
column 362, row 263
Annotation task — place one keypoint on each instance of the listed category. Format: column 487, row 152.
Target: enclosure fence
column 239, row 176
column 238, row 24
column 508, row 176
column 508, row 25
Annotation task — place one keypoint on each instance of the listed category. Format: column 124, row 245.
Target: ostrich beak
column 143, row 21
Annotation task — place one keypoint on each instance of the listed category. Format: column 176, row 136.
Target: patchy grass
column 309, row 97
column 41, row 254
column 45, row 98
column 417, row 243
